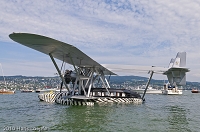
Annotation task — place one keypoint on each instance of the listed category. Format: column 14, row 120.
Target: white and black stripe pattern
column 68, row 101
column 51, row 96
column 120, row 100
column 64, row 99
column 61, row 98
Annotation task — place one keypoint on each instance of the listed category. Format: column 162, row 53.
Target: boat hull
column 149, row 91
column 7, row 92
column 64, row 99
column 27, row 91
column 172, row 92
column 195, row 91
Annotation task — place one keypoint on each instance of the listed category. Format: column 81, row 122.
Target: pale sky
column 129, row 32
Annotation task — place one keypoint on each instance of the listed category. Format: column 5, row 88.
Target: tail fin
column 176, row 73
column 171, row 63
column 180, row 60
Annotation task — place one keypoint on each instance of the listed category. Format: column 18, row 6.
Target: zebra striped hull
column 90, row 102
column 51, row 96
column 64, row 99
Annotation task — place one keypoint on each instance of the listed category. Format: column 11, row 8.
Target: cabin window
column 99, row 93
column 117, row 94
column 113, row 94
column 123, row 94
column 96, row 94
column 106, row 94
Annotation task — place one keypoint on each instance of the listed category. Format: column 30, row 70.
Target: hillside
column 20, row 81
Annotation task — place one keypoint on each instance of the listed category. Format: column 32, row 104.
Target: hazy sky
column 131, row 32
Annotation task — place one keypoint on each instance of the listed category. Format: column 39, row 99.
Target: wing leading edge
column 59, row 50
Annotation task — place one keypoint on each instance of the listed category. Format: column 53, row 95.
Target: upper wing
column 62, row 51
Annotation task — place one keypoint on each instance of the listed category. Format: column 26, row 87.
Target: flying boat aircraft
column 87, row 72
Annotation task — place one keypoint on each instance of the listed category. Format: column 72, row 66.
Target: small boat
column 26, row 91
column 6, row 91
column 171, row 90
column 150, row 90
column 195, row 91
column 37, row 91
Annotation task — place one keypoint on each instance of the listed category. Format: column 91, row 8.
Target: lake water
column 160, row 113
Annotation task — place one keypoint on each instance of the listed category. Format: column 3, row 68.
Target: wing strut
column 58, row 71
column 102, row 78
column 147, row 85
column 91, row 82
column 73, row 63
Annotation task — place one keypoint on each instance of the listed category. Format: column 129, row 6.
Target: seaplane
column 89, row 78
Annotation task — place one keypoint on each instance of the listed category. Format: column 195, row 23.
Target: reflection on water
column 85, row 118
column 107, row 118
column 177, row 119
column 80, row 118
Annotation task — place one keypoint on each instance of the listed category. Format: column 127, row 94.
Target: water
column 160, row 113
